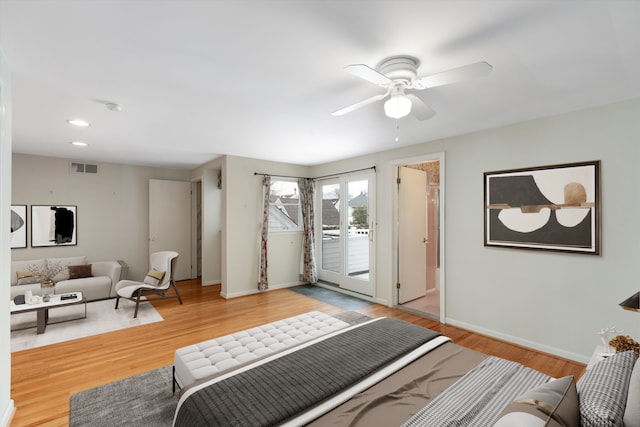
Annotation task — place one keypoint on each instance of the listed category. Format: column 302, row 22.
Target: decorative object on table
column 32, row 299
column 47, row 289
column 632, row 303
column 18, row 226
column 625, row 343
column 606, row 335
column 53, row 225
column 547, row 208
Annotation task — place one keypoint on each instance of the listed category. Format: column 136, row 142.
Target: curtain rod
column 317, row 177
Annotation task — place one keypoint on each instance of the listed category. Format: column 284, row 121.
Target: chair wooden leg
column 175, row 288
column 117, row 301
column 135, row 314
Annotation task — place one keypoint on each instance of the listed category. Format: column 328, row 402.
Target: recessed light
column 78, row 122
column 79, row 144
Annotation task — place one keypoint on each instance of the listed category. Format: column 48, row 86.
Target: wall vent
column 84, row 168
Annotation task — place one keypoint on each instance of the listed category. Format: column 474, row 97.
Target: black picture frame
column 554, row 208
column 54, row 225
column 18, row 226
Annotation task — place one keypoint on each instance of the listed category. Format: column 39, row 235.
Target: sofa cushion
column 79, row 271
column 26, row 278
column 92, row 288
column 31, row 265
column 60, row 266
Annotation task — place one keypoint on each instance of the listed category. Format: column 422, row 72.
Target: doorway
column 345, row 250
column 418, row 210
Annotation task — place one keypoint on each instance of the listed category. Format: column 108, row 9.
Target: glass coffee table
column 42, row 308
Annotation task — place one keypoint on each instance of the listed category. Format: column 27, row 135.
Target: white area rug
column 101, row 317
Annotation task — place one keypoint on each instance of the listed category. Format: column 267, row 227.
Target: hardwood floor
column 43, row 379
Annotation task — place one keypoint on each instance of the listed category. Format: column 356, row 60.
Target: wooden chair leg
column 135, row 314
column 117, row 301
column 175, row 288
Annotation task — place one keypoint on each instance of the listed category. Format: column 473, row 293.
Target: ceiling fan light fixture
column 397, row 106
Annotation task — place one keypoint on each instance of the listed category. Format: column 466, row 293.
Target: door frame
column 393, row 213
column 343, row 282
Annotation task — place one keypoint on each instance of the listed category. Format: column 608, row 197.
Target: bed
column 392, row 373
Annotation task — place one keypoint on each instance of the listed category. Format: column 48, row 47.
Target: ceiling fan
column 398, row 74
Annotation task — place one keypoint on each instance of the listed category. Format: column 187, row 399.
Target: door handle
column 424, row 240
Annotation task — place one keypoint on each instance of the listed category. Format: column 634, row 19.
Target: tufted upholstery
column 215, row 356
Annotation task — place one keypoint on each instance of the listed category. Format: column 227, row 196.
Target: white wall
column 242, row 224
column 211, row 228
column 6, row 404
column 112, row 207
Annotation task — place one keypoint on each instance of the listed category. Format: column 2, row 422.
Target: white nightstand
column 600, row 353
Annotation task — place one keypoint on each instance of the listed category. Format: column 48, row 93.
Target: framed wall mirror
column 53, row 225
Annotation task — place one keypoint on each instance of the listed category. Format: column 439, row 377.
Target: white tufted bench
column 218, row 355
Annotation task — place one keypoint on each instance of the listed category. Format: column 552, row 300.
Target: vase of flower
column 47, row 289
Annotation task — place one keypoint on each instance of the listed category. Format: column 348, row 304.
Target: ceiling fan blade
column 360, row 104
column 419, row 109
column 466, row 72
column 367, row 73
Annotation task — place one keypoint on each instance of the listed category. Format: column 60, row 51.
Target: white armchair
column 158, row 281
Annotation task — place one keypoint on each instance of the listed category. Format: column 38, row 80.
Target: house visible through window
column 284, row 206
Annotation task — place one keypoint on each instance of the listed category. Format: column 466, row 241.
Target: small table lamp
column 632, row 303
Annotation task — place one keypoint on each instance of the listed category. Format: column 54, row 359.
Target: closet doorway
column 419, row 287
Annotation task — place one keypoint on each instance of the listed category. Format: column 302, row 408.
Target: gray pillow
column 552, row 404
column 602, row 391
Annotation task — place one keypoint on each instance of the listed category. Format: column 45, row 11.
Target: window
column 284, row 206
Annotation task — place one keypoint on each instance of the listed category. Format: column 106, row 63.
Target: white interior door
column 412, row 234
column 170, row 222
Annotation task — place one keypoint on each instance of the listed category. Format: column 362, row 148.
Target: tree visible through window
column 360, row 217
column 284, row 206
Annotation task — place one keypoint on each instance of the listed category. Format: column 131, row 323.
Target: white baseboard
column 212, row 282
column 255, row 291
column 7, row 415
column 520, row 341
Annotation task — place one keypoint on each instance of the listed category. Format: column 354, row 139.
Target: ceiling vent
column 84, row 168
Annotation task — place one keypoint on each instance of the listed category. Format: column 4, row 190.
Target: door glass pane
column 331, row 227
column 357, row 259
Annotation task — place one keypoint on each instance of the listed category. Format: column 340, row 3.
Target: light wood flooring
column 43, row 379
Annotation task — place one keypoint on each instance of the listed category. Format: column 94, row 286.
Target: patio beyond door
column 346, row 246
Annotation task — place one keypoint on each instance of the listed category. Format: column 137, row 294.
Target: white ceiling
column 259, row 78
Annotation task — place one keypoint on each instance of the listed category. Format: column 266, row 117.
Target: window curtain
column 306, row 187
column 263, row 283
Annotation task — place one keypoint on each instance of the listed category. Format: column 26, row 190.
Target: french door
column 346, row 224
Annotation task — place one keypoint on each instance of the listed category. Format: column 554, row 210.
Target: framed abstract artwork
column 548, row 208
column 53, row 225
column 18, row 226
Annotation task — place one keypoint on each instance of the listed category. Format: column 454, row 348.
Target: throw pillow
column 79, row 271
column 154, row 277
column 553, row 404
column 603, row 390
column 26, row 278
column 632, row 412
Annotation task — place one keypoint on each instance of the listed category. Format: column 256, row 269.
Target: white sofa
column 99, row 285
